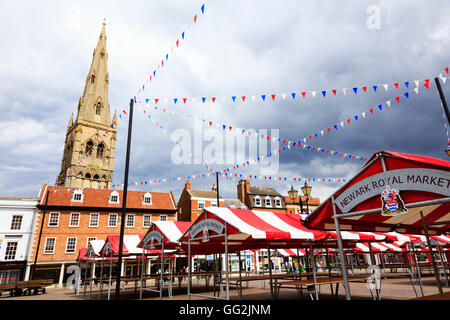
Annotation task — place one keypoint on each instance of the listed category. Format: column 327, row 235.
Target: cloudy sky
column 236, row 48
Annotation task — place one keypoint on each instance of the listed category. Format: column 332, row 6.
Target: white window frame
column 278, row 202
column 90, row 220
column 90, row 239
column 143, row 220
column 201, row 202
column 268, row 199
column 113, row 194
column 12, row 221
column 146, row 196
column 214, row 204
column 45, row 245
column 127, row 220
column 67, row 244
column 109, row 220
column 70, row 221
column 50, row 219
column 76, row 192
column 255, row 199
column 165, row 216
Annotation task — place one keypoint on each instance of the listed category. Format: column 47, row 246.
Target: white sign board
column 416, row 179
column 209, row 224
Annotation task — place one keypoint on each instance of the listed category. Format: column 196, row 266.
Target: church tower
column 88, row 157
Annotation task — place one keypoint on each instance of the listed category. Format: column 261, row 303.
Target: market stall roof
column 292, row 252
column 388, row 194
column 171, row 231
column 379, row 247
column 248, row 229
column 129, row 248
column 443, row 239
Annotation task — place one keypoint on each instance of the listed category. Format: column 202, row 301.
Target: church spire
column 93, row 105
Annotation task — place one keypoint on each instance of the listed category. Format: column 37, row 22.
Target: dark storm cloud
column 237, row 48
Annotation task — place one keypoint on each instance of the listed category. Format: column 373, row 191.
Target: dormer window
column 257, row 201
column 114, row 197
column 77, row 196
column 147, row 198
column 268, row 201
column 278, row 202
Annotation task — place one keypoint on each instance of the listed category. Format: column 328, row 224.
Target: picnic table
column 439, row 296
column 310, row 283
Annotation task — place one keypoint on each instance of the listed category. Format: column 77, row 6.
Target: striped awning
column 249, row 229
column 375, row 199
column 292, row 252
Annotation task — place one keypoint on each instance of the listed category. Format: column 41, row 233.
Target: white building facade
column 16, row 224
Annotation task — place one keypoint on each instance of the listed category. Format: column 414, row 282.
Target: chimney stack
column 214, row 187
column 187, row 186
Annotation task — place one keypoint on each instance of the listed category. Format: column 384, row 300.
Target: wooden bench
column 26, row 287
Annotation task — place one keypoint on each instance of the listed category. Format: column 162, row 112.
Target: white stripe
column 228, row 216
column 169, row 229
column 272, row 219
column 130, row 242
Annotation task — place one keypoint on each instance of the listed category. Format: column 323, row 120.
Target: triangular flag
column 203, row 8
column 184, row 100
column 344, row 91
column 324, row 93
column 234, row 98
column 407, row 84
column 203, row 99
column 273, row 97
column 243, row 98
column 375, row 88
column 355, row 90
column 388, row 103
column 334, row 91
column 364, row 88
column 263, row 97
column 385, row 86
column 427, row 83
column 397, row 98
column 313, row 93
column 213, row 99
column 406, row 95
column 293, row 95
column 396, row 85
column 303, row 94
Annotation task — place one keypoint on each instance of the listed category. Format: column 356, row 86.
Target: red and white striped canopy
column 250, row 229
column 170, row 230
column 417, row 183
column 129, row 248
column 443, row 239
column 292, row 252
column 380, row 247
column 359, row 236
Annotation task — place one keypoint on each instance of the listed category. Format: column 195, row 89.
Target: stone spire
column 93, row 105
column 89, row 149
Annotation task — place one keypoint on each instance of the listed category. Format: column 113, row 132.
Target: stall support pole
column 372, row 260
column 298, row 262
column 270, row 269
column 226, row 261
column 142, row 271
column 101, row 278
column 416, row 262
column 341, row 253
column 240, row 275
column 430, row 248
column 442, row 263
column 161, row 282
column 189, row 268
column 313, row 262
column 110, row 273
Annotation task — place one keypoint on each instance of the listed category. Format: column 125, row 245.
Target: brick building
column 73, row 217
column 260, row 198
column 294, row 206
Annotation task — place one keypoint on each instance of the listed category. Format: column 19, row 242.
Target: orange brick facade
column 94, row 201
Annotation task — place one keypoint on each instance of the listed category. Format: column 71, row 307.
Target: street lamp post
column 293, row 195
column 306, row 189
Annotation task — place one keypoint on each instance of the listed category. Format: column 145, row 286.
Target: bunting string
column 176, row 45
column 296, row 95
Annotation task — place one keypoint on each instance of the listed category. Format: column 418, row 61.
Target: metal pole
column 110, row 273
column 416, row 262
column 240, row 275
column 430, row 248
column 142, row 271
column 226, row 261
column 162, row 273
column 217, row 182
column 341, row 253
column 40, row 235
column 442, row 262
column 124, row 202
column 313, row 262
column 189, row 267
column 101, row 278
column 441, row 94
column 270, row 269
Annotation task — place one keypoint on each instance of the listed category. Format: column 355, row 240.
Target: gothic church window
column 98, row 108
column 92, row 79
column 89, row 148
column 100, row 149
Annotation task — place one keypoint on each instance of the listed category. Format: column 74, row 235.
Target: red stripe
column 251, row 219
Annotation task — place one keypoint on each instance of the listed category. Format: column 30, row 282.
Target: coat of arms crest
column 392, row 203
